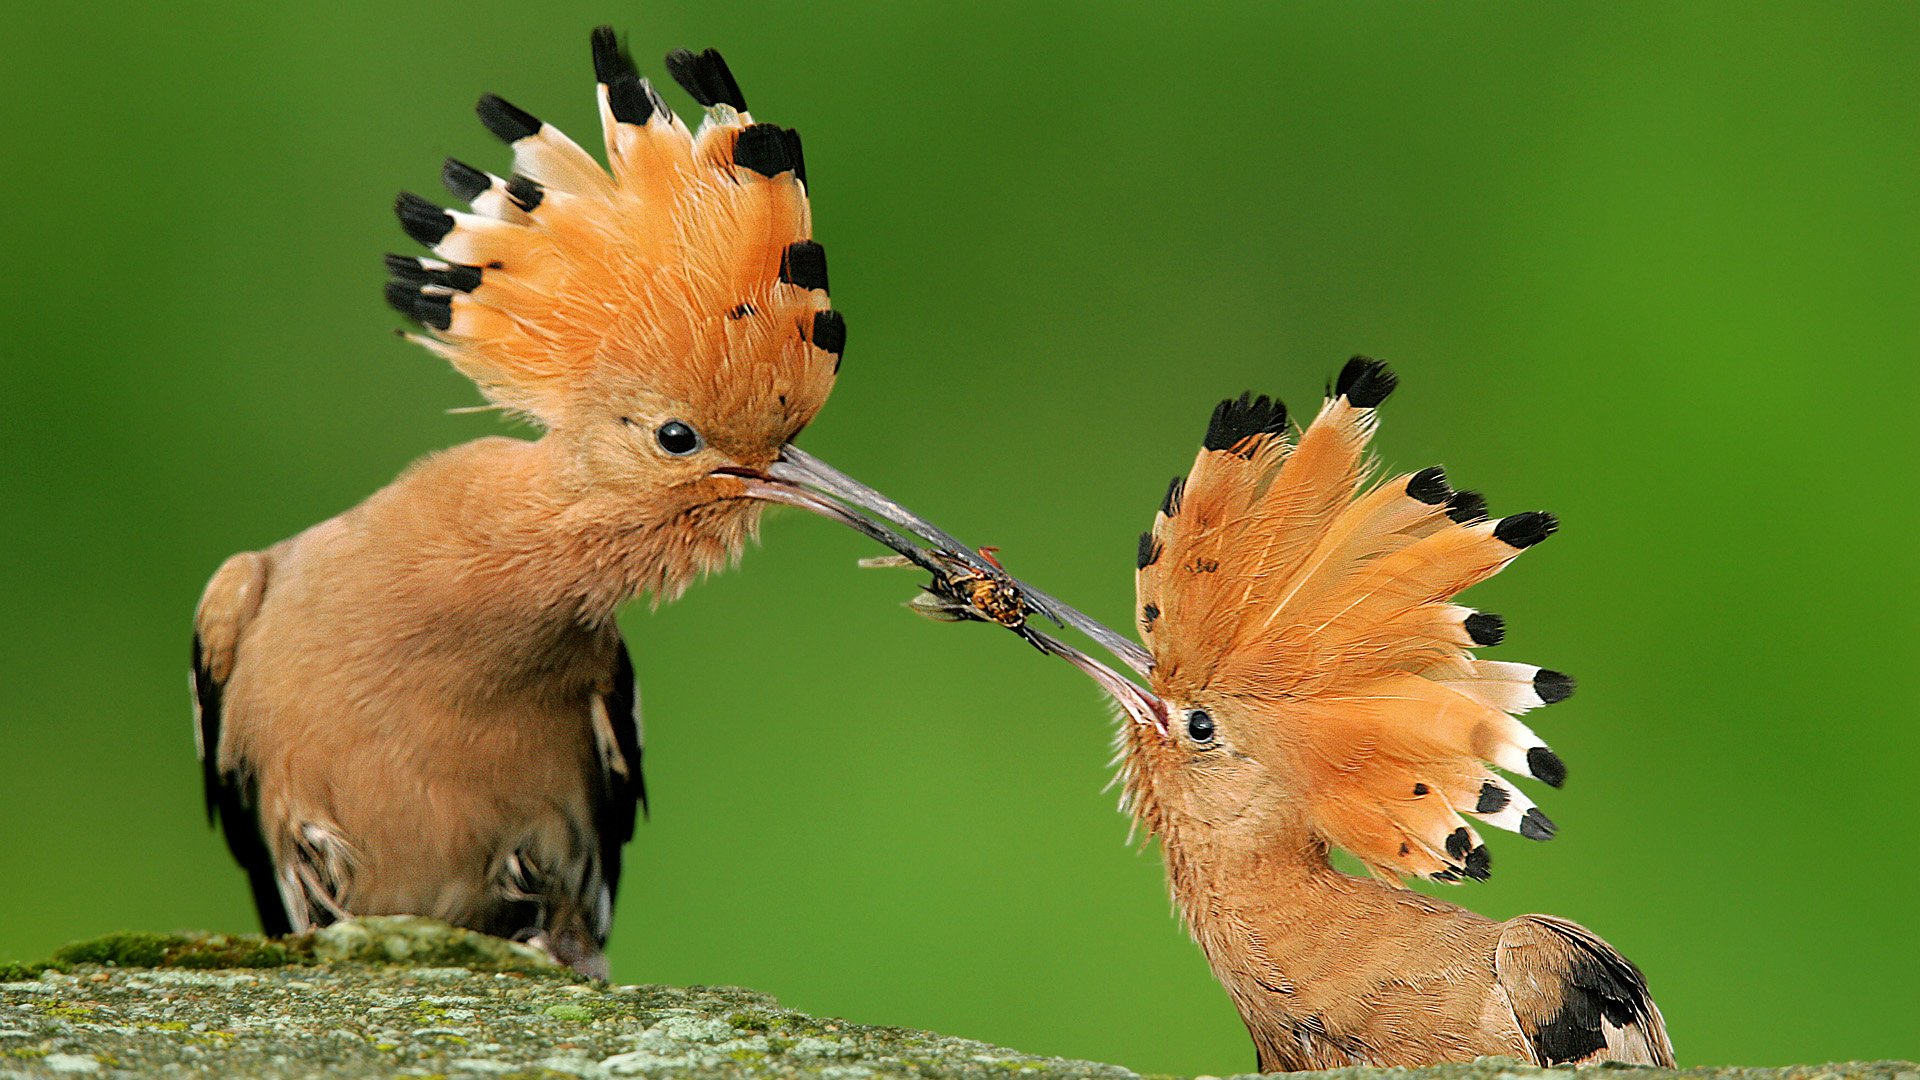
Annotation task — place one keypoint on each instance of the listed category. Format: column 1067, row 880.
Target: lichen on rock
column 405, row 997
column 412, row 997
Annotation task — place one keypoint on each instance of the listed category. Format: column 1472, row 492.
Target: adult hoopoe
column 424, row 705
column 1314, row 685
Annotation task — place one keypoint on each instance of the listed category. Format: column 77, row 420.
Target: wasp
column 959, row 592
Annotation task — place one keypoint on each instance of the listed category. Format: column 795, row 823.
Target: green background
column 1650, row 266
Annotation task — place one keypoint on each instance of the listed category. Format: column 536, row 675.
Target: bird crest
column 1280, row 584
column 684, row 272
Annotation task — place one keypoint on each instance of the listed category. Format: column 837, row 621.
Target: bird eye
column 1199, row 726
column 677, row 438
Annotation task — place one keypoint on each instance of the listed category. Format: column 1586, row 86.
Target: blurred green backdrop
column 1651, row 266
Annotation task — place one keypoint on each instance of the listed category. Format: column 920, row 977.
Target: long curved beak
column 1143, row 706
column 798, row 478
column 769, row 489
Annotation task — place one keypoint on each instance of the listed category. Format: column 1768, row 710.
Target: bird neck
column 1220, row 832
column 620, row 540
column 1275, row 920
column 1211, row 867
column 526, row 526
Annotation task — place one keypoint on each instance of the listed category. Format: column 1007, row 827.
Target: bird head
column 1308, row 670
column 665, row 318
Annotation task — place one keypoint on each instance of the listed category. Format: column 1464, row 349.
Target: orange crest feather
column 686, row 271
column 1275, row 576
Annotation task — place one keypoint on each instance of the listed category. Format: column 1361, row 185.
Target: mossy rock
column 409, row 997
column 181, row 951
column 401, row 939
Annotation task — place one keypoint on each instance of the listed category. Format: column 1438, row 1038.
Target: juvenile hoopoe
column 424, row 705
column 1313, row 685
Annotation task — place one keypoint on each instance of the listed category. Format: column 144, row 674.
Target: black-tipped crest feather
column 769, row 150
column 463, row 181
column 415, row 273
column 1486, row 628
column 1493, row 799
column 423, row 221
column 1552, row 686
column 1526, row 529
column 1149, row 551
column 611, row 60
column 705, row 76
column 1479, row 864
column 804, row 263
column 525, row 192
column 829, row 332
column 1535, row 825
column 428, row 309
column 1429, row 486
column 1467, row 507
column 1366, row 382
column 1170, row 502
column 630, row 98
column 1546, row 766
column 508, row 122
column 1236, row 420
column 406, row 268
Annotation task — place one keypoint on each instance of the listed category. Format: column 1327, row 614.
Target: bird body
column 424, row 705
column 1314, row 685
column 424, row 692
column 1329, row 970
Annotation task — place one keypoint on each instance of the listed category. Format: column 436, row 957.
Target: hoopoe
column 1313, row 685
column 424, row 705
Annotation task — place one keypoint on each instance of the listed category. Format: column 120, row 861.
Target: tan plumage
column 424, row 705
column 1314, row 686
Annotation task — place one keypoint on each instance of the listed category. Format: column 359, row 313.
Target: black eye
column 1199, row 726
column 677, row 438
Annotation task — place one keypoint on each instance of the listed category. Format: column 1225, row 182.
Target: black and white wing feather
column 1576, row 999
column 622, row 792
column 225, row 609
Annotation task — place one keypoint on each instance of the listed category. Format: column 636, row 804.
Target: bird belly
column 378, row 795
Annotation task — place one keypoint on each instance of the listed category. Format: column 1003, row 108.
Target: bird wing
column 561, row 898
column 1277, row 575
column 1575, row 998
column 618, row 734
column 226, row 608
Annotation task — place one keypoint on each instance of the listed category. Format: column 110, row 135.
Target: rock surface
column 402, row 997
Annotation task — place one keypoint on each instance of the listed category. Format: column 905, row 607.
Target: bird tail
column 1279, row 575
column 684, row 262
